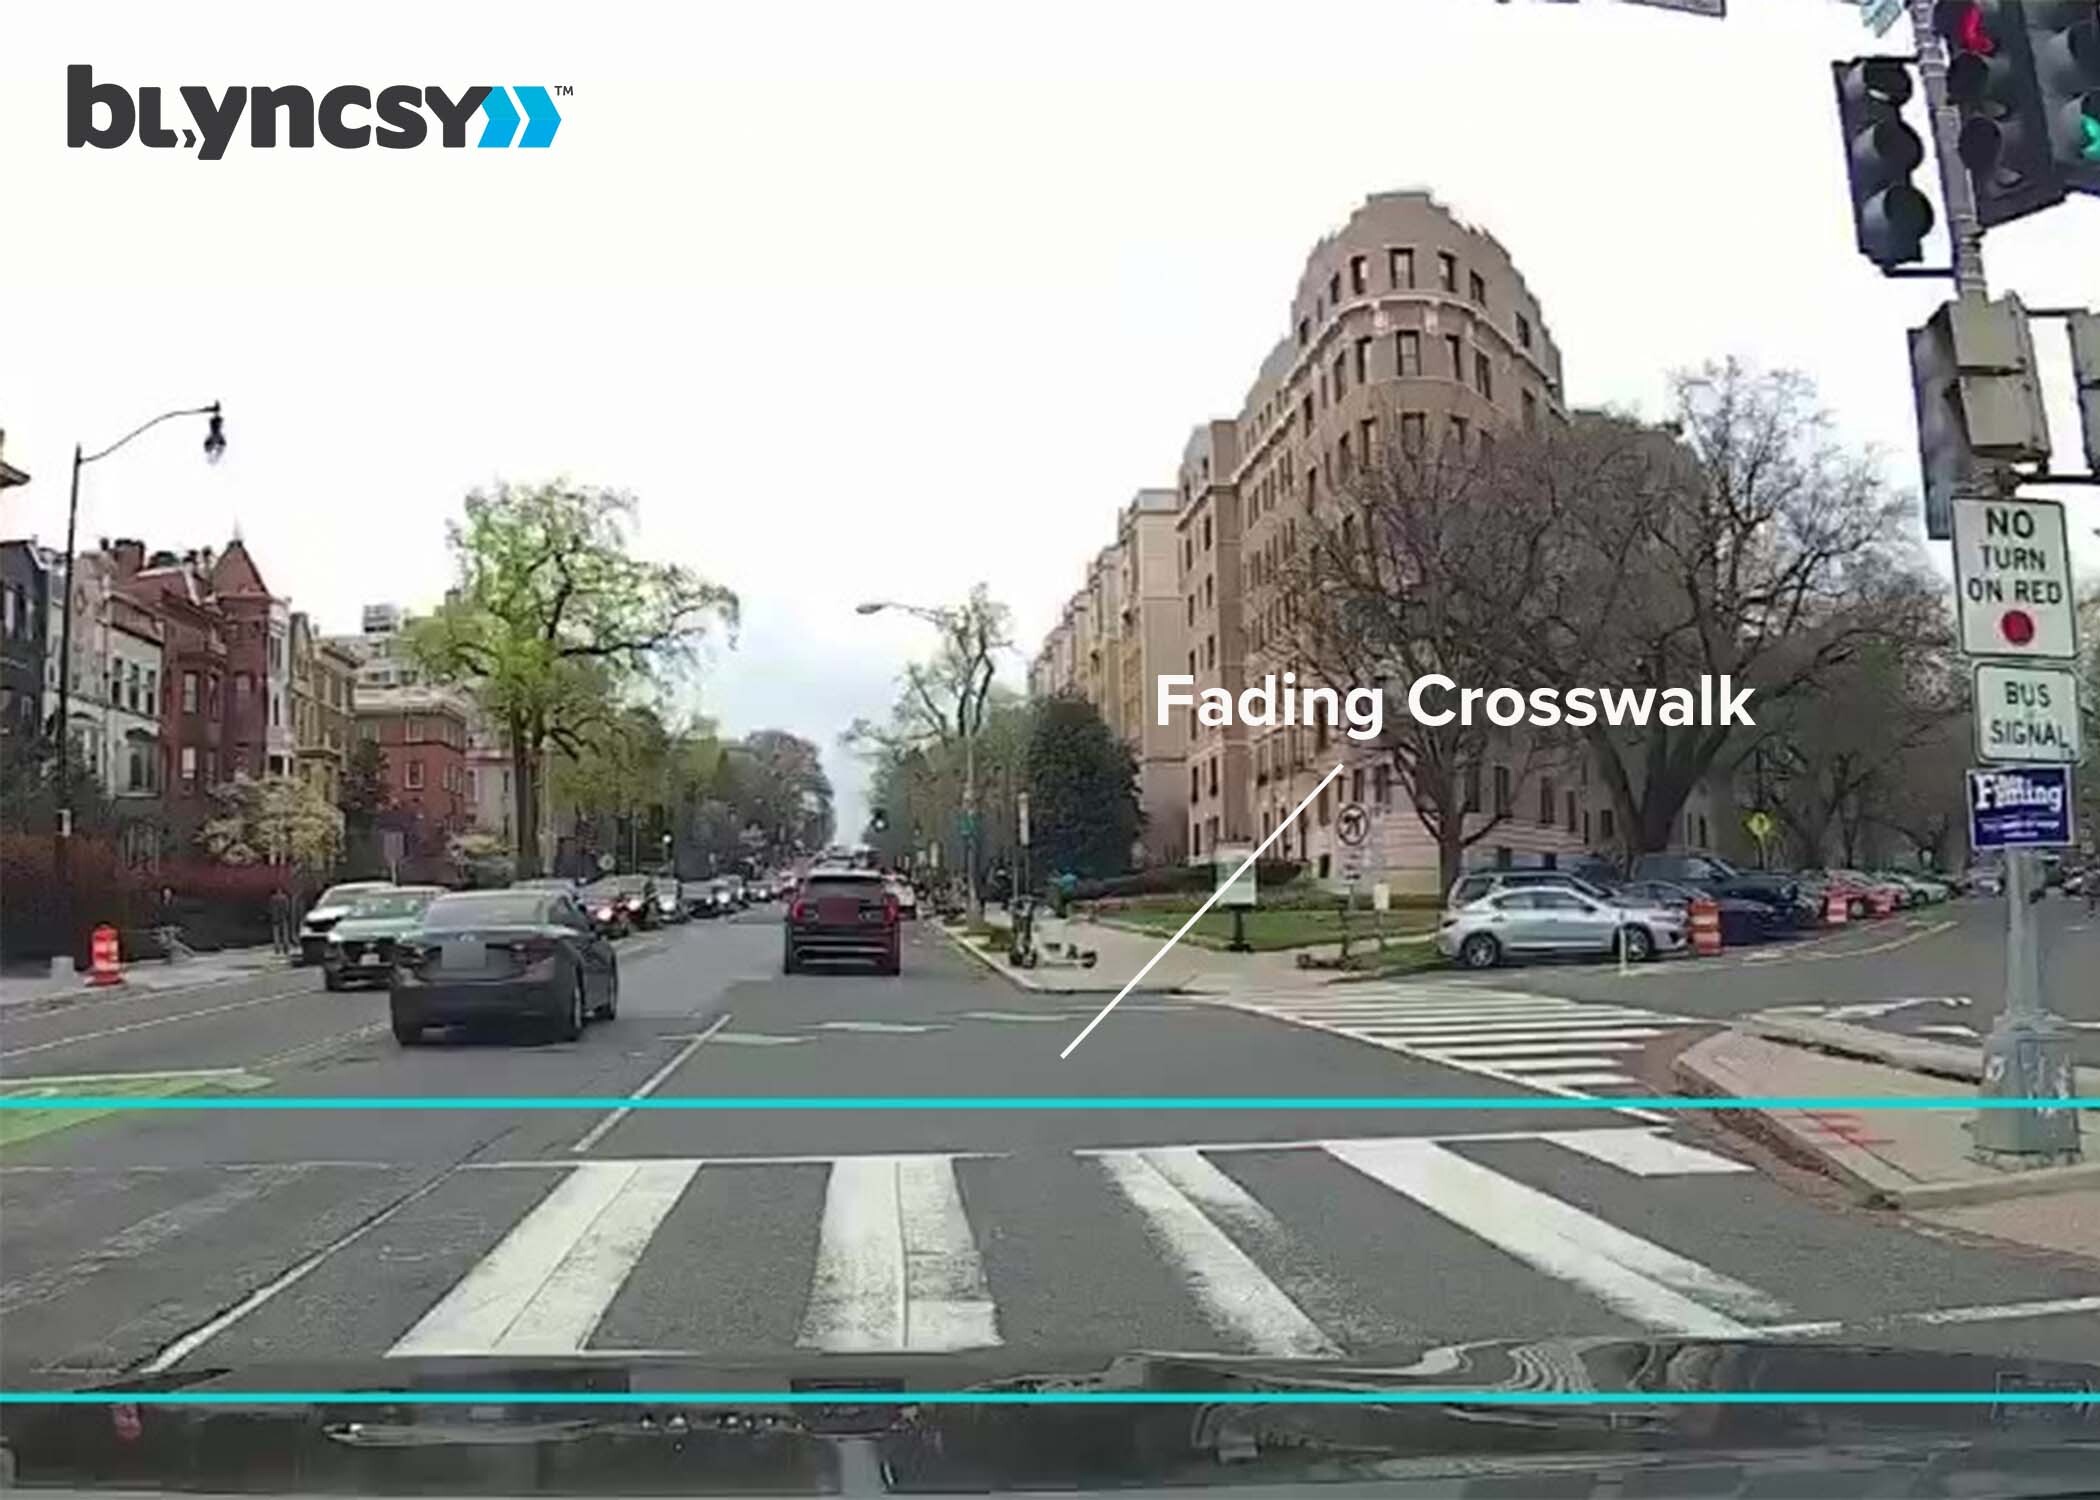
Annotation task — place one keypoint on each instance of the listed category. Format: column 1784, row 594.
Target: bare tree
column 1738, row 539
column 1399, row 575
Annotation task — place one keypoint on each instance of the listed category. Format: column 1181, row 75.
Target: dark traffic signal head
column 2004, row 135
column 1890, row 217
column 2063, row 38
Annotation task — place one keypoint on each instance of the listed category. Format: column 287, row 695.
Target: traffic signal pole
column 2029, row 1054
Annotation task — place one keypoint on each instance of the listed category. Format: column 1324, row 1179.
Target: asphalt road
column 1038, row 1238
column 1938, row 972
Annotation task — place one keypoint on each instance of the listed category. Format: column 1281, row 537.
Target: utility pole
column 2028, row 1053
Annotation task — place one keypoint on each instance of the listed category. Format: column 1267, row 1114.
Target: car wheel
column 1480, row 951
column 573, row 1018
column 406, row 1032
column 1640, row 944
column 611, row 1008
column 1857, row 906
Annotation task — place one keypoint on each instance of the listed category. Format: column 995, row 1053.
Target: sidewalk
column 20, row 992
column 1917, row 1160
column 1120, row 954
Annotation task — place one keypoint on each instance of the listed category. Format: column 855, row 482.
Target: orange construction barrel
column 1706, row 927
column 1881, row 901
column 105, row 957
column 1837, row 908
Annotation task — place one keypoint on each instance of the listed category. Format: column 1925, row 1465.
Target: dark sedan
column 1744, row 919
column 501, row 958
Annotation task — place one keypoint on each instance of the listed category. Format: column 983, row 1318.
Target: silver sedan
column 1482, row 933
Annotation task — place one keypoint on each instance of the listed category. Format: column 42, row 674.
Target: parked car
column 503, row 958
column 1470, row 888
column 1983, row 880
column 907, row 899
column 634, row 896
column 1922, row 890
column 669, row 900
column 360, row 946
column 842, row 913
column 333, row 905
column 1548, row 920
column 1866, row 890
column 1742, row 920
column 1779, row 890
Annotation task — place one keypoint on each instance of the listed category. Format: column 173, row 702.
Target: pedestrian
column 281, row 920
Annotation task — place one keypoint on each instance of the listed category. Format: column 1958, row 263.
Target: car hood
column 1635, row 1410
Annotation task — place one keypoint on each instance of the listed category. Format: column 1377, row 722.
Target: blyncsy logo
column 349, row 116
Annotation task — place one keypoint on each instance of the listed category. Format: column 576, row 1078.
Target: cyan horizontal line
column 1425, row 1397
column 998, row 1102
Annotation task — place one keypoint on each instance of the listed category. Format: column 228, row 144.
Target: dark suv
column 1718, row 877
column 840, row 913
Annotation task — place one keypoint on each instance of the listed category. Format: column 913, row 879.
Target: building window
column 1414, row 428
column 1502, row 792
column 1605, row 821
column 1447, row 270
column 1363, row 361
column 1476, row 288
column 1382, row 784
column 1343, row 450
column 1571, row 812
column 189, row 693
column 1461, row 429
column 1546, row 802
column 1400, row 266
column 1341, row 375
column 1367, row 435
column 1303, row 329
column 1359, row 274
column 413, row 780
column 1531, row 411
column 189, row 766
column 1456, row 350
column 1206, row 533
column 414, row 733
column 1214, row 776
column 1523, row 332
column 1356, row 785
column 1195, row 785
column 1483, row 374
column 1702, row 830
column 1210, row 651
column 1407, row 352
column 1334, row 289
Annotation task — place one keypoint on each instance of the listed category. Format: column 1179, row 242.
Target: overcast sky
column 881, row 299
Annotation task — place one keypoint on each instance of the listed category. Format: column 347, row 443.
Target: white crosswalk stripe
column 898, row 1265
column 1543, row 1041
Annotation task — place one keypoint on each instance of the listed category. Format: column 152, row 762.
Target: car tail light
column 605, row 914
column 889, row 907
column 799, row 912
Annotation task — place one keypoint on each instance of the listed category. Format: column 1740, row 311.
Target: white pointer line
column 1245, row 866
column 654, row 1082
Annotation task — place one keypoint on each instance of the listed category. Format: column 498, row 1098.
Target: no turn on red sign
column 2012, row 579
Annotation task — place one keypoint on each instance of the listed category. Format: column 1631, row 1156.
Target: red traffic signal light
column 2005, row 135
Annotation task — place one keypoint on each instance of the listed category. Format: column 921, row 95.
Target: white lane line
column 167, row 1020
column 1236, row 1297
column 649, row 1086
column 1245, row 865
column 894, row 1232
column 30, row 1080
column 1409, row 1025
column 1578, row 1048
column 481, row 1309
column 1644, row 1153
column 1602, row 1078
column 1573, row 1036
column 1655, row 1287
column 947, row 1303
column 182, row 1348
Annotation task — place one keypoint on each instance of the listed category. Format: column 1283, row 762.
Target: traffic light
column 2063, row 38
column 2085, row 368
column 1978, row 402
column 1890, row 217
column 2005, row 141
column 879, row 821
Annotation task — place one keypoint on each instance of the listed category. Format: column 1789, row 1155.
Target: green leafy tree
column 552, row 619
column 364, row 793
column 1083, row 800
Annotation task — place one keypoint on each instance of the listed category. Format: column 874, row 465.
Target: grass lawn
column 1273, row 928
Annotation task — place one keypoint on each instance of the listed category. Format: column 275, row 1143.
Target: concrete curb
column 1910, row 1053
column 1872, row 1182
column 1022, row 979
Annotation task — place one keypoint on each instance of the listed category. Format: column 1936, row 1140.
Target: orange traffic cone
column 106, row 956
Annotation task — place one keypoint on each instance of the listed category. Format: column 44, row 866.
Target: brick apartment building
column 421, row 732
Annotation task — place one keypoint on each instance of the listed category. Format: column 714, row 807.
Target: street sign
column 2020, row 807
column 1381, row 897
column 2012, row 579
column 1758, row 823
column 1225, row 859
column 2026, row 713
column 1352, row 825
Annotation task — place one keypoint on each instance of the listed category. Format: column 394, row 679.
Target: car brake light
column 798, row 912
column 889, row 906
column 605, row 914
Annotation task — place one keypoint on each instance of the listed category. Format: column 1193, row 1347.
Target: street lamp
column 62, row 826
column 967, row 729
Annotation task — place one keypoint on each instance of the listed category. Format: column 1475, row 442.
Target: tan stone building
column 324, row 705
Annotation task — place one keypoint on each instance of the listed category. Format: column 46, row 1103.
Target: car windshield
column 391, row 903
column 485, row 909
column 1195, row 666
